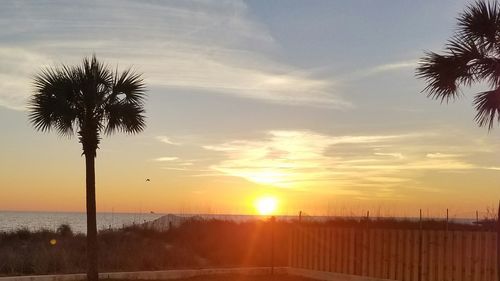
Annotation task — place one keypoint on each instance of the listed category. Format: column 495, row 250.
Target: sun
column 266, row 205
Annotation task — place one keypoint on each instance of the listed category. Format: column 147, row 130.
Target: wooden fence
column 406, row 255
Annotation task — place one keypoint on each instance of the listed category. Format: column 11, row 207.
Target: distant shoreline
column 13, row 220
column 222, row 215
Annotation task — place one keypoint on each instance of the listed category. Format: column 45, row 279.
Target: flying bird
column 148, row 180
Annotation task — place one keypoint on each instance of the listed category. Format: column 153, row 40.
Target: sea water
column 10, row 220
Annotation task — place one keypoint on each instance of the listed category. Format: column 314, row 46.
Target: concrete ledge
column 186, row 273
column 329, row 276
column 150, row 275
column 61, row 277
column 177, row 274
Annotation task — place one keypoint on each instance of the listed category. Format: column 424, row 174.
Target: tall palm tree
column 92, row 100
column 471, row 56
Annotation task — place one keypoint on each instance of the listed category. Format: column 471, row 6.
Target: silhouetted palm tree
column 471, row 56
column 90, row 99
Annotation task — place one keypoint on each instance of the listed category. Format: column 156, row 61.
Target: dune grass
column 195, row 244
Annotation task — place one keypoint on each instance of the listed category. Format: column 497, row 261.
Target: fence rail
column 406, row 255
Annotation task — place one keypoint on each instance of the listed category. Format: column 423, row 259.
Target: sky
column 314, row 103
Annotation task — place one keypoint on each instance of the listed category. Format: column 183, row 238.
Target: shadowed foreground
column 194, row 244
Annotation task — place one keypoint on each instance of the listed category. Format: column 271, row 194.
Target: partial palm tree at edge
column 90, row 100
column 471, row 56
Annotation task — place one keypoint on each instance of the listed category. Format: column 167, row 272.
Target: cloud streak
column 166, row 159
column 167, row 140
column 289, row 158
column 302, row 159
column 210, row 47
column 379, row 69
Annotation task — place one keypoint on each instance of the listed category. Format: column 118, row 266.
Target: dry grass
column 195, row 244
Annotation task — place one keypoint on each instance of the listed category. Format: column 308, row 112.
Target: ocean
column 10, row 221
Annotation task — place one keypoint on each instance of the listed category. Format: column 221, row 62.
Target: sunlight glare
column 266, row 177
column 266, row 205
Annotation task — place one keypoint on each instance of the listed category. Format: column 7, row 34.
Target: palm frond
column 472, row 55
column 53, row 104
column 125, row 117
column 488, row 68
column 443, row 75
column 124, row 108
column 487, row 105
column 477, row 62
column 465, row 50
column 131, row 85
column 479, row 23
column 95, row 80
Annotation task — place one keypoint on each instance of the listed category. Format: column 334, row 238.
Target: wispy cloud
column 289, row 158
column 174, row 169
column 283, row 158
column 211, row 47
column 395, row 155
column 493, row 168
column 166, row 159
column 392, row 66
column 439, row 155
column 17, row 67
column 379, row 69
column 167, row 140
column 364, row 139
column 294, row 159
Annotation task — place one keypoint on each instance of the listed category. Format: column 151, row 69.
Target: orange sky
column 290, row 166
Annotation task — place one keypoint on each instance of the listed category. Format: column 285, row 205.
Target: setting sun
column 266, row 205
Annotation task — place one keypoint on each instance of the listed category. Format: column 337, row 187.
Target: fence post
column 447, row 219
column 291, row 234
column 448, row 264
column 365, row 250
column 498, row 243
column 272, row 244
column 420, row 248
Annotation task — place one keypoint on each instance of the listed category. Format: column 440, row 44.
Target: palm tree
column 471, row 56
column 91, row 100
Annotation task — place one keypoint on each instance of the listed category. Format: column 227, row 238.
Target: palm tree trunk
column 92, row 273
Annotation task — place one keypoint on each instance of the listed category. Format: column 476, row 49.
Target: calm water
column 38, row 220
column 51, row 220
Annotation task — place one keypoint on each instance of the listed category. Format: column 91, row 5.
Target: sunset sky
column 314, row 103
